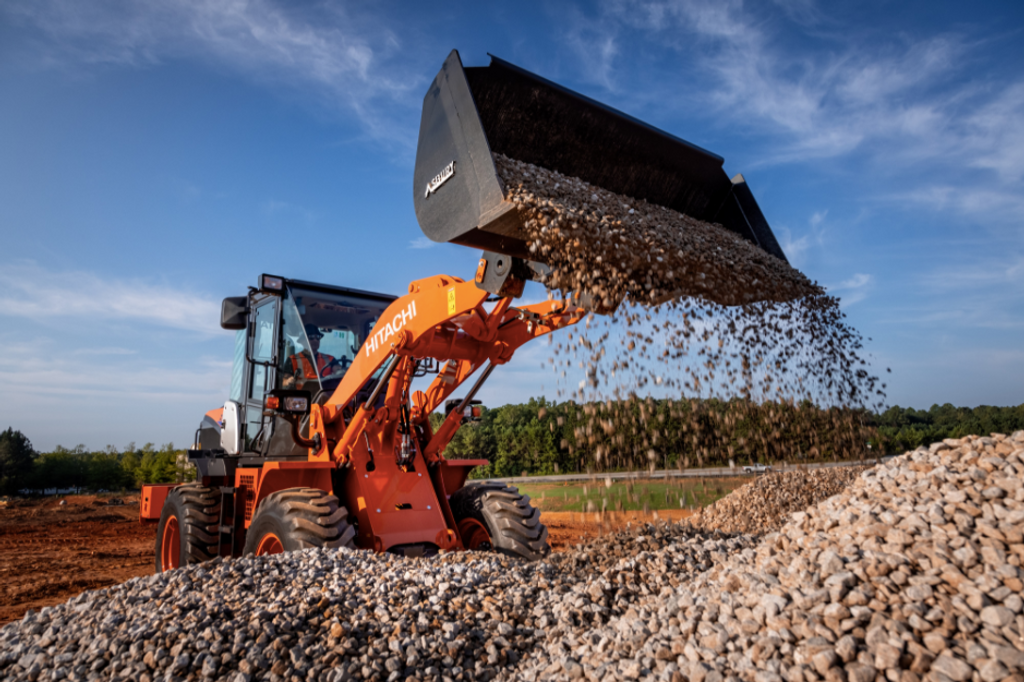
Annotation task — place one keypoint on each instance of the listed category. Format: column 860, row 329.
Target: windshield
column 321, row 334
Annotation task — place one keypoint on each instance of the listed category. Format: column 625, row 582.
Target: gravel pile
column 912, row 572
column 343, row 614
column 765, row 504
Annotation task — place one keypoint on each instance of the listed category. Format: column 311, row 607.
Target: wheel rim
column 269, row 544
column 474, row 535
column 170, row 545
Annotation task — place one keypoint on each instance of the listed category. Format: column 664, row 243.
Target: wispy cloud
column 341, row 54
column 593, row 42
column 805, row 12
column 825, row 106
column 104, row 398
column 903, row 100
column 852, row 290
column 38, row 369
column 993, row 135
column 422, row 243
column 796, row 248
column 111, row 350
column 964, row 293
column 30, row 291
column 1004, row 204
column 858, row 281
column 996, row 269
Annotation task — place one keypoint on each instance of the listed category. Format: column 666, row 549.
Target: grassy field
column 639, row 495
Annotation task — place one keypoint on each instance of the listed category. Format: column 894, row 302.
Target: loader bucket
column 468, row 113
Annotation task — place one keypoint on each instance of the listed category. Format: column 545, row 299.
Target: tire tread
column 514, row 523
column 312, row 517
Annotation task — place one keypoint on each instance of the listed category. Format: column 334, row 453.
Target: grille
column 248, row 481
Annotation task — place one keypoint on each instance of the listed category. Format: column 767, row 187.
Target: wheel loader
column 322, row 441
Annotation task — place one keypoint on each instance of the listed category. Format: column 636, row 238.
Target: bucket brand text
column 440, row 179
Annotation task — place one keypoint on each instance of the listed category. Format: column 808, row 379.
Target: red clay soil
column 567, row 529
column 49, row 553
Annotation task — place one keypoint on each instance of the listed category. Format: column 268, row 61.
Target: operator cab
column 291, row 335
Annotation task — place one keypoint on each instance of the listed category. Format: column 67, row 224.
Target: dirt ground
column 50, row 553
column 567, row 529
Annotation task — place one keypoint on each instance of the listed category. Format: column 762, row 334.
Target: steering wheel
column 335, row 366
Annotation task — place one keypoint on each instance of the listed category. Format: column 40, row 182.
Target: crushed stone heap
column 334, row 615
column 765, row 504
column 913, row 572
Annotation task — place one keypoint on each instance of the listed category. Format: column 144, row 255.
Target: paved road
column 670, row 473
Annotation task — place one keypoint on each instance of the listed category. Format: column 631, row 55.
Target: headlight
column 296, row 404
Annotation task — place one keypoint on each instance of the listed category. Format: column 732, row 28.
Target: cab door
column 262, row 371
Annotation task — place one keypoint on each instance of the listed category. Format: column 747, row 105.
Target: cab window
column 262, row 349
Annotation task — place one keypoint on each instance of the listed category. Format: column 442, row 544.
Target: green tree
column 130, row 461
column 16, row 459
column 62, row 469
column 105, row 471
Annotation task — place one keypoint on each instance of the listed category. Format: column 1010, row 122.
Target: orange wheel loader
column 322, row 441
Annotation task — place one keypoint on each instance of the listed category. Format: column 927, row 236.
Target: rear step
column 501, row 108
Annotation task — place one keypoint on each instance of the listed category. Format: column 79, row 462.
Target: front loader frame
column 381, row 456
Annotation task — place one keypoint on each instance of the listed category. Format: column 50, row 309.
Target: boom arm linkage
column 443, row 318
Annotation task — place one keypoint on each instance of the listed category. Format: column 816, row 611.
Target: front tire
column 298, row 518
column 188, row 532
column 492, row 515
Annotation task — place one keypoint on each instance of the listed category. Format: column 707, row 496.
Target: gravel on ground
column 912, row 572
column 765, row 504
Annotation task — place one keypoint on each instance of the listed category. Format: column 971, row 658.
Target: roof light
column 271, row 283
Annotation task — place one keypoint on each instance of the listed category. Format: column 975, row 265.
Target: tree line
column 23, row 470
column 904, row 428
column 542, row 437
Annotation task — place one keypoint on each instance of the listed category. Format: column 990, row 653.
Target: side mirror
column 234, row 312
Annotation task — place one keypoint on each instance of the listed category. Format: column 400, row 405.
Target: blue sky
column 155, row 157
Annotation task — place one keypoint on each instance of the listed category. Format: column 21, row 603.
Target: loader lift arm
column 443, row 318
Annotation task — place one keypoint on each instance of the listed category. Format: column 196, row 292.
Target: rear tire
column 511, row 522
column 188, row 532
column 298, row 518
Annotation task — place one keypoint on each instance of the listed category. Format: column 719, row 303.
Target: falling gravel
column 695, row 312
column 912, row 572
column 609, row 247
